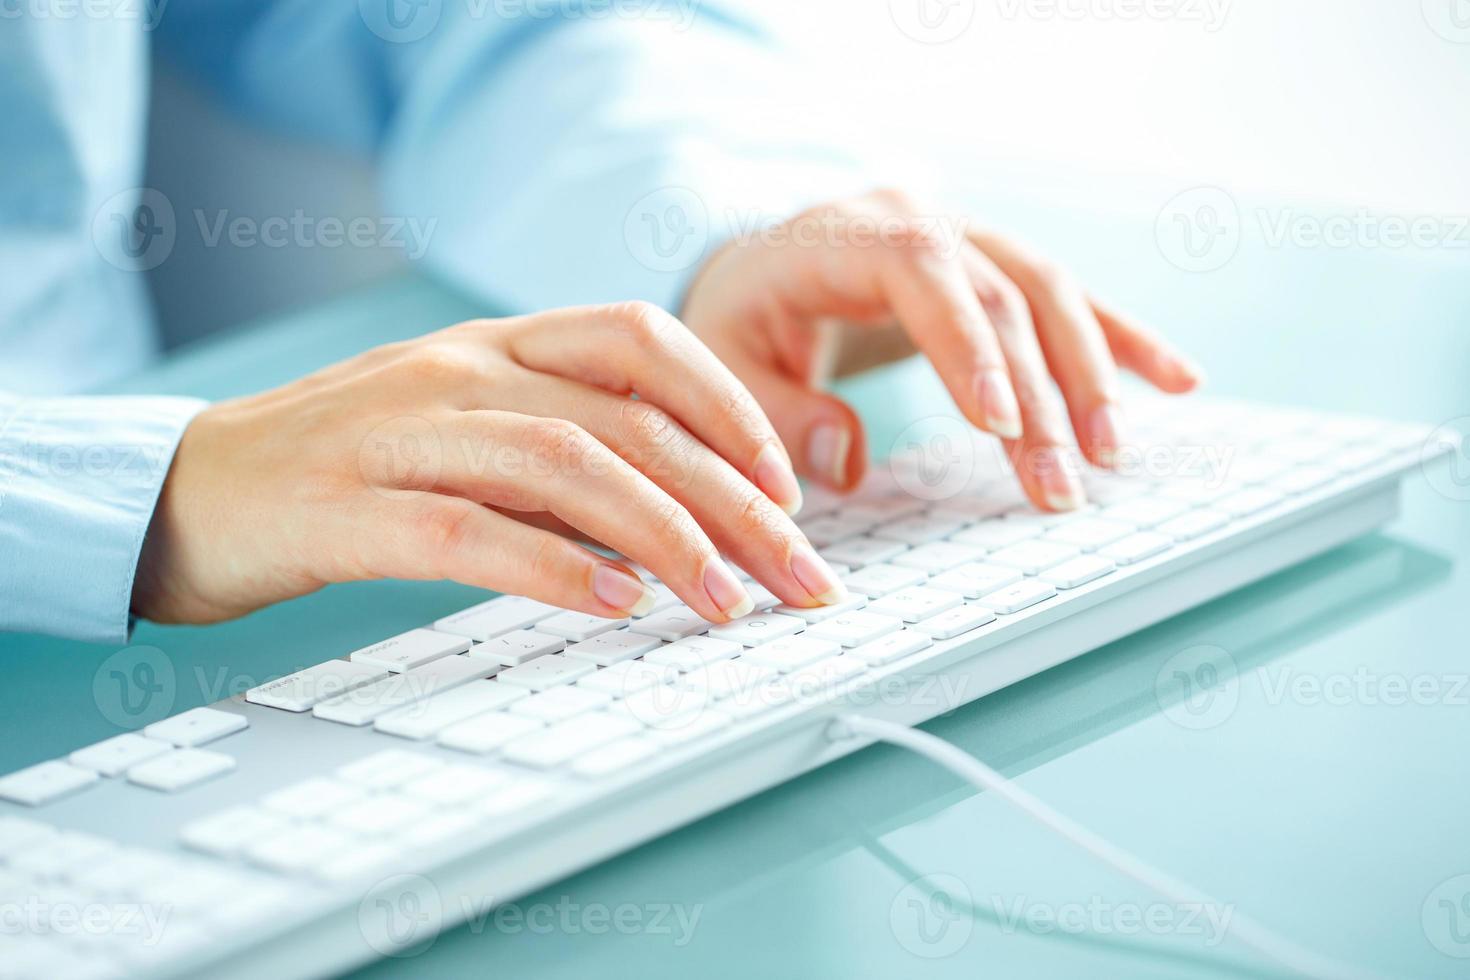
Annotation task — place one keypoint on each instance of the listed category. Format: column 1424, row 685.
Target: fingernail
column 773, row 474
column 1105, row 429
column 1059, row 485
column 725, row 590
column 816, row 576
column 826, row 452
column 998, row 403
column 622, row 591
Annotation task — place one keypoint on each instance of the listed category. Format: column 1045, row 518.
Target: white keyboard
column 442, row 746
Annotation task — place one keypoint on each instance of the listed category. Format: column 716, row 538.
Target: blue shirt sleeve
column 573, row 152
column 79, row 478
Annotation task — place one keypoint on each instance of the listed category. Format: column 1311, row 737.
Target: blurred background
column 1014, row 107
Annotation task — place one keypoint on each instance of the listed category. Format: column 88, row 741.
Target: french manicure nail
column 826, row 452
column 1105, row 429
column 998, row 403
column 725, row 590
column 774, row 476
column 622, row 591
column 1059, row 485
column 816, row 576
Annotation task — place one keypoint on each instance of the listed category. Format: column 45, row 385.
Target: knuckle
column 444, row 530
column 644, row 323
column 1051, row 278
column 647, row 426
column 894, row 199
column 545, row 561
column 565, row 445
column 1006, row 306
column 754, row 515
column 438, row 364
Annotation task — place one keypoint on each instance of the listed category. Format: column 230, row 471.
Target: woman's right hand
column 460, row 454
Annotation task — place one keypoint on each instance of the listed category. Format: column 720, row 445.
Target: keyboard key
column 1197, row 493
column 954, row 622
column 113, row 756
column 300, row 848
column 426, row 719
column 362, row 859
column 855, row 628
column 59, row 855
column 861, row 552
column 896, row 646
column 196, row 727
column 815, row 678
column 693, row 652
column 1089, row 533
column 180, row 769
column 757, row 628
column 577, row 626
column 514, row 649
column 518, row 796
column 454, row 786
column 997, row 533
column 1032, row 557
column 672, row 624
column 914, row 604
column 1146, row 511
column 815, row 614
column 724, row 679
column 1077, row 572
column 1302, row 479
column 378, row 815
column 1137, row 547
column 939, row 556
column 614, row 647
column 561, row 743
column 975, row 579
column 546, row 672
column 662, row 705
column 615, row 757
column 1187, row 527
column 412, row 649
column 306, row 688
column 45, row 782
column 361, row 706
column 1014, row 598
column 495, row 617
column 312, row 798
column 229, row 832
column 487, row 732
column 696, row 727
column 917, row 529
column 386, row 768
column 879, row 580
column 560, row 703
column 630, row 676
column 17, row 833
column 792, row 652
column 438, row 829
column 1248, row 501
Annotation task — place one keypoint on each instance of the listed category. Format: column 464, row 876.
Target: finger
column 1146, row 354
column 431, row 536
column 741, row 521
column 1042, row 457
column 1073, row 343
column 525, row 463
column 637, row 348
column 823, row 432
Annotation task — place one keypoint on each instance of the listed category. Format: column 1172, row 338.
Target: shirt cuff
column 79, row 480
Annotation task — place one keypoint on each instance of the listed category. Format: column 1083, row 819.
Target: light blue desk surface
column 1311, row 792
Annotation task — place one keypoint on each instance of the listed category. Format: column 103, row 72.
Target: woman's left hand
column 998, row 323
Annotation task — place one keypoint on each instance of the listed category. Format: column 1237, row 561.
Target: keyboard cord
column 1294, row 958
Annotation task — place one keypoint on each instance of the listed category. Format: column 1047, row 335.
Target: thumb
column 821, row 432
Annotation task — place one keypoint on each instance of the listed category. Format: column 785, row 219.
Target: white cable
column 1286, row 953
